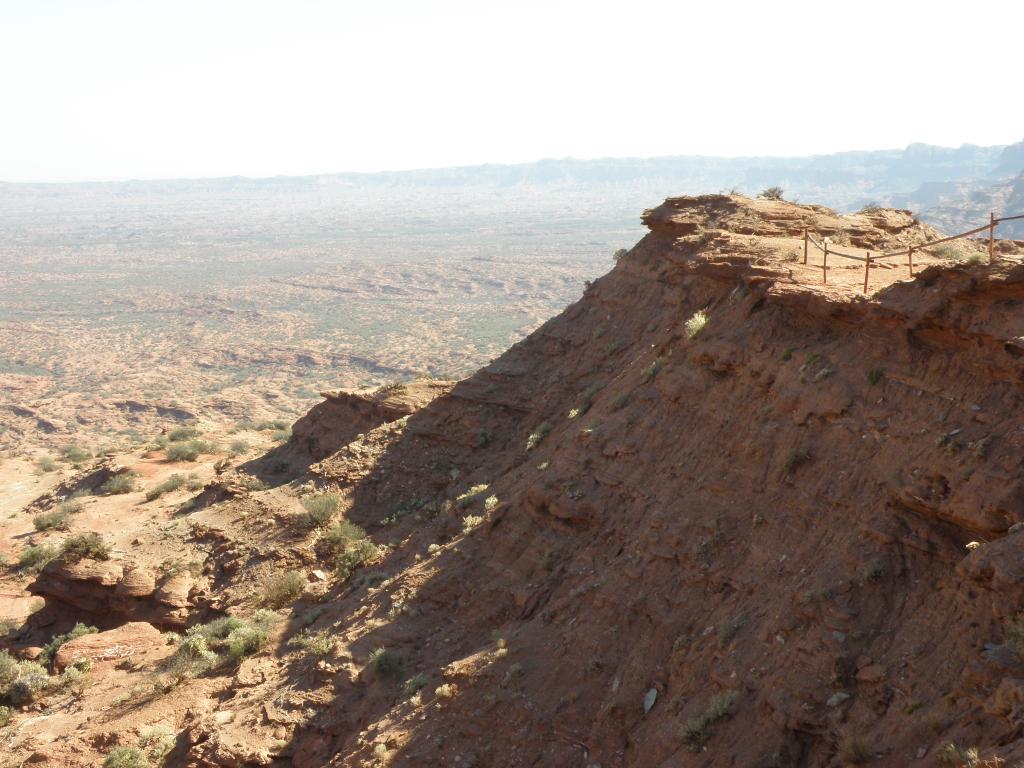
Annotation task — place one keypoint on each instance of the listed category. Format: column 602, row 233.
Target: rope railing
column 868, row 259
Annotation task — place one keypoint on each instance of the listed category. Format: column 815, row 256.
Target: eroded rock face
column 116, row 590
column 132, row 639
column 345, row 414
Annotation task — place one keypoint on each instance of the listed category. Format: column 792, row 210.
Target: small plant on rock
column 36, row 558
column 55, row 520
column 320, row 508
column 284, row 588
column 118, row 484
column 126, row 757
column 696, row 323
column 384, row 663
column 85, row 546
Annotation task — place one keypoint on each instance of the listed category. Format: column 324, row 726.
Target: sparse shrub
column 126, row 757
column 85, row 546
column 698, row 320
column 974, row 259
column 238, row 447
column 871, row 208
column 620, row 402
column 823, row 374
column 120, row 483
column 281, row 435
column 490, row 503
column 445, row 691
column 72, row 506
column 384, row 663
column 179, row 434
column 46, row 464
column 5, row 716
column 36, row 558
column 465, row 499
column 251, row 483
column 652, row 370
column 875, row 375
column 193, row 483
column 341, row 536
column 392, row 388
column 55, row 520
column 695, row 731
column 536, row 437
column 157, row 742
column 320, row 508
column 617, row 256
column 74, row 454
column 313, row 643
column 787, row 354
column 283, row 588
column 172, row 483
column 772, row 193
column 469, row 522
column 204, row 646
column 355, row 555
column 415, row 684
column 265, row 426
column 50, row 649
column 188, row 451
column 21, row 681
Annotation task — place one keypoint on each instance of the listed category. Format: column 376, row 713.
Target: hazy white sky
column 102, row 89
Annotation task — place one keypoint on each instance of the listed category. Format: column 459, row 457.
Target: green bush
column 172, row 483
column 276, row 424
column 85, row 546
column 5, row 716
column 339, row 537
column 695, row 733
column 36, row 558
column 696, row 323
column 21, row 681
column 188, row 451
column 55, row 520
column 126, row 757
column 356, row 555
column 46, row 464
column 320, row 508
column 156, row 742
column 121, row 483
column 205, row 646
column 50, row 649
column 74, row 454
column 384, row 663
column 465, row 499
column 178, row 434
column 283, row 588
column 72, row 506
column 772, row 193
column 313, row 643
column 535, row 438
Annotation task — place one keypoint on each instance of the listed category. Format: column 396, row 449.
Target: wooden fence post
column 991, row 237
column 910, row 260
column 867, row 266
column 824, row 264
column 805, row 245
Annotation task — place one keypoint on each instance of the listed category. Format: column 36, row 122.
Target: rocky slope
column 717, row 513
